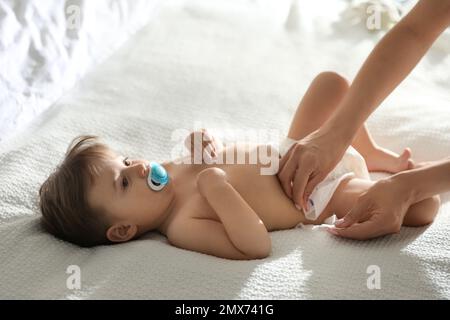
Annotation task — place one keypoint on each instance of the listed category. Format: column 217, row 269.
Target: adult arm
column 310, row 160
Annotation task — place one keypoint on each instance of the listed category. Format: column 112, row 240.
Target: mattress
column 227, row 65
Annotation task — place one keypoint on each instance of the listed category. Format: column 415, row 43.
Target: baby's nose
column 142, row 170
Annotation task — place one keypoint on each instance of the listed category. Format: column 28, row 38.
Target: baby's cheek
column 116, row 210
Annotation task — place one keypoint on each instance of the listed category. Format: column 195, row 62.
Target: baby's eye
column 127, row 162
column 124, row 182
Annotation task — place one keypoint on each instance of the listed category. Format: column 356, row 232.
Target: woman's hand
column 202, row 145
column 379, row 211
column 307, row 163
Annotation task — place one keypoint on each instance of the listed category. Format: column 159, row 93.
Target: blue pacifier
column 158, row 177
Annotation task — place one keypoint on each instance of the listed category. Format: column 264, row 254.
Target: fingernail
column 298, row 207
column 332, row 231
column 305, row 206
column 339, row 222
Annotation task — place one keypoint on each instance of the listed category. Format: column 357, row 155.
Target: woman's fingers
column 306, row 177
column 360, row 212
column 382, row 209
column 314, row 180
column 358, row 223
column 299, row 184
column 297, row 174
column 359, row 231
column 285, row 158
column 287, row 173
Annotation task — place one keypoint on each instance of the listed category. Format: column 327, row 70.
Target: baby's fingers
column 209, row 153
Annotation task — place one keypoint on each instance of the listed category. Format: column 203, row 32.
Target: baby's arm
column 240, row 235
column 206, row 236
column 243, row 226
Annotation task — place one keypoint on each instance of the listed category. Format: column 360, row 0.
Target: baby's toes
column 406, row 154
column 404, row 161
column 411, row 164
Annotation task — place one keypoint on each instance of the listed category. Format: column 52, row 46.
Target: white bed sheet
column 47, row 45
column 233, row 64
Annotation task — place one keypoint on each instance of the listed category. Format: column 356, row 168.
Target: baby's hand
column 202, row 145
column 210, row 179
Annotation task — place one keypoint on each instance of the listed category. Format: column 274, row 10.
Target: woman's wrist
column 425, row 181
column 342, row 135
column 406, row 187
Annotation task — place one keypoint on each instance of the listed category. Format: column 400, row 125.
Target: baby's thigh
column 345, row 197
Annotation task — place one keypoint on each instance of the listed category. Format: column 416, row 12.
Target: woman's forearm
column 389, row 63
column 425, row 182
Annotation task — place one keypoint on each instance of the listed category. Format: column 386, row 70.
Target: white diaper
column 352, row 164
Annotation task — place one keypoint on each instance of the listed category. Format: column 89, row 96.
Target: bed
column 223, row 64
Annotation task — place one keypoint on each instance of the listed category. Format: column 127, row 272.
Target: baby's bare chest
column 262, row 192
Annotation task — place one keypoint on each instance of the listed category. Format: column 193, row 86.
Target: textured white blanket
column 46, row 46
column 228, row 64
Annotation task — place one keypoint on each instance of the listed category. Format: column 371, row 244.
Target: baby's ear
column 121, row 232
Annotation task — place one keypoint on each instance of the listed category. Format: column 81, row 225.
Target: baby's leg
column 423, row 212
column 320, row 100
column 346, row 195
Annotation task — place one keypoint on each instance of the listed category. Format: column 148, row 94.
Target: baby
column 223, row 209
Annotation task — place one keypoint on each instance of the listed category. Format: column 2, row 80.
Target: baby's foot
column 385, row 160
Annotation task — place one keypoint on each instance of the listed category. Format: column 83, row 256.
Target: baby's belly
column 264, row 194
column 266, row 197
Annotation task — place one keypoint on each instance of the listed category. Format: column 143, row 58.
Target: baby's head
column 96, row 197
